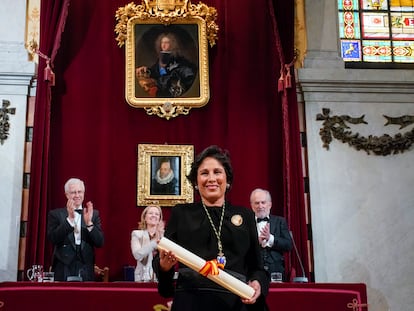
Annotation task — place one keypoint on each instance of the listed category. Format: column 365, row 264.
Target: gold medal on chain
column 221, row 259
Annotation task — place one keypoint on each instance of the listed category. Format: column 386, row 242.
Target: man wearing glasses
column 75, row 231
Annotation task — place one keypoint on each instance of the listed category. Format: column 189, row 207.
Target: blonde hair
column 142, row 224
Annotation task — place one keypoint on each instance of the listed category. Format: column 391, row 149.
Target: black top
column 273, row 257
column 190, row 228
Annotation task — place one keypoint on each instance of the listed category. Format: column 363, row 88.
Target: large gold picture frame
column 166, row 80
column 154, row 187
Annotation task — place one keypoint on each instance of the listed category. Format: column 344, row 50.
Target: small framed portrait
column 162, row 171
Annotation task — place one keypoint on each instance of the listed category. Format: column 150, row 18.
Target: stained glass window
column 380, row 31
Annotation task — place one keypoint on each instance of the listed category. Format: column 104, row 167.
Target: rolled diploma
column 196, row 263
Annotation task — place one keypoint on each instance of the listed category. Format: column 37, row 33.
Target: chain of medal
column 221, row 259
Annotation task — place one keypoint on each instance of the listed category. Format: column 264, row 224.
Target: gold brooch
column 237, row 220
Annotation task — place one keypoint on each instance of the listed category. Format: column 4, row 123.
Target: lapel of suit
column 71, row 236
column 273, row 224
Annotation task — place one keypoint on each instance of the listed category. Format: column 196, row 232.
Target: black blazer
column 190, row 227
column 61, row 234
column 273, row 257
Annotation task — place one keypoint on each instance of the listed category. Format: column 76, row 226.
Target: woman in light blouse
column 144, row 242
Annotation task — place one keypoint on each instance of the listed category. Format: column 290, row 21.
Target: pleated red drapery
column 52, row 23
column 293, row 182
column 90, row 132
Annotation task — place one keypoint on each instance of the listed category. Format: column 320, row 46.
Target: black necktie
column 79, row 211
column 263, row 219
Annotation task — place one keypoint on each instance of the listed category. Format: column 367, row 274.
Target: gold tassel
column 281, row 83
column 288, row 79
column 49, row 75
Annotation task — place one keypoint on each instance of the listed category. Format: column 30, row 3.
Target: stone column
column 16, row 76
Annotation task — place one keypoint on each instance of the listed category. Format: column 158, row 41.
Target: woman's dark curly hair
column 211, row 152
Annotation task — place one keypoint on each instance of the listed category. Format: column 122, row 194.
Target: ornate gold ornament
column 336, row 127
column 166, row 12
column 166, row 92
column 300, row 34
column 356, row 305
column 32, row 32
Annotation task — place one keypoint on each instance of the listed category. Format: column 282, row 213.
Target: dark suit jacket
column 61, row 234
column 273, row 257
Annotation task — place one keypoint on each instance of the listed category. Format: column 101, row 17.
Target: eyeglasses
column 76, row 192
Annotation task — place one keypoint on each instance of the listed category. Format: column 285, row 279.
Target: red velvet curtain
column 52, row 22
column 94, row 133
column 282, row 15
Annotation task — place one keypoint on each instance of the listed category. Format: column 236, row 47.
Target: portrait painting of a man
column 161, row 174
column 166, row 61
column 165, row 178
column 166, row 56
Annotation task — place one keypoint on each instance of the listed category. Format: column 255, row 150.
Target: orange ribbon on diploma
column 210, row 269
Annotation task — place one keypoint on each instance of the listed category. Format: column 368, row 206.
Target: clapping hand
column 159, row 233
column 264, row 234
column 87, row 213
column 70, row 207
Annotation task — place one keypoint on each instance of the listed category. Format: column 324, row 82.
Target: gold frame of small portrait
column 146, row 152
